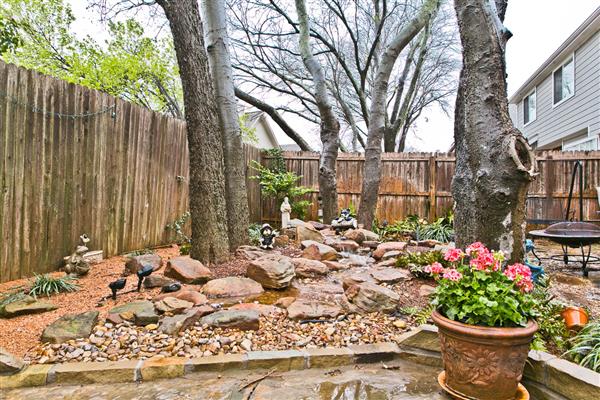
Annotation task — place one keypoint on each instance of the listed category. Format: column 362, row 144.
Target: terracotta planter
column 575, row 318
column 483, row 363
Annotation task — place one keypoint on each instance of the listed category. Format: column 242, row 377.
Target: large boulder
column 325, row 252
column 272, row 271
column 306, row 268
column 9, row 364
column 232, row 287
column 186, row 294
column 177, row 323
column 70, row 326
column 27, row 305
column 154, row 281
column 249, row 252
column 188, row 270
column 135, row 263
column 308, row 232
column 388, row 246
column 312, row 309
column 172, row 305
column 244, row 320
column 295, row 223
column 390, row 275
column 370, row 297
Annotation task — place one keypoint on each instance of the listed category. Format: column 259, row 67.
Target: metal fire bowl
column 571, row 234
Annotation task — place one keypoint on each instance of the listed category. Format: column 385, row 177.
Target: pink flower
column 435, row 268
column 476, row 248
column 521, row 275
column 453, row 255
column 452, row 275
column 485, row 261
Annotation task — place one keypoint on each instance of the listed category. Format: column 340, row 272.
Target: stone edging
column 545, row 375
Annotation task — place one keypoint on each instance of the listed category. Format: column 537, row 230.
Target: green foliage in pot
column 475, row 290
column 585, row 347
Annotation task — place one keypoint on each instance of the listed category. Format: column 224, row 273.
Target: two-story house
column 558, row 107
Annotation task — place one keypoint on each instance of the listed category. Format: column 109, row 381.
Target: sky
column 539, row 27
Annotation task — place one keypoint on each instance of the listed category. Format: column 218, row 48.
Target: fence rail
column 75, row 160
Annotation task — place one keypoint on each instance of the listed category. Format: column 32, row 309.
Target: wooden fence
column 420, row 183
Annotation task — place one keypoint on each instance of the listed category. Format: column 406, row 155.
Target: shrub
column 412, row 226
column 416, row 262
column 585, row 347
column 254, row 234
column 552, row 331
column 178, row 227
column 46, row 285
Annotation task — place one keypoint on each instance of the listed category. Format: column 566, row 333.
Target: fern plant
column 46, row 285
column 585, row 347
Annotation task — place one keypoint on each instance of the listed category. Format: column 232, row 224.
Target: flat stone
column 361, row 235
column 218, row 363
column 135, row 263
column 328, row 357
column 312, row 309
column 370, row 244
column 9, row 364
column 370, row 297
column 243, row 320
column 82, row 373
column 188, row 270
column 296, row 222
column 308, row 232
column 391, row 254
column 311, row 253
column 172, row 305
column 571, row 380
column 345, row 245
column 285, row 360
column 27, row 305
column 390, row 275
column 335, row 266
column 272, row 271
column 390, row 262
column 141, row 312
column 154, row 281
column 233, row 286
column 186, row 294
column 249, row 252
column 70, row 326
column 306, row 268
column 133, row 307
column 428, row 243
column 145, row 318
column 424, row 337
column 426, row 290
column 32, row 375
column 325, row 252
column 262, row 309
column 388, row 246
column 285, row 302
column 375, row 352
column 162, row 368
column 178, row 323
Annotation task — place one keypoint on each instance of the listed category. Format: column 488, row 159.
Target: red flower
column 453, row 255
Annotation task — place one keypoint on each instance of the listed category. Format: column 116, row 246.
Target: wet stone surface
column 364, row 382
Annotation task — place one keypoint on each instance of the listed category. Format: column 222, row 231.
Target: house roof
column 585, row 31
column 259, row 117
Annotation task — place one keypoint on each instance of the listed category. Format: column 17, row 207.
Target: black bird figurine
column 173, row 287
column 142, row 273
column 117, row 285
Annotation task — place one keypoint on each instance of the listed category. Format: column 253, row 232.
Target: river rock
column 249, row 252
column 172, row 305
column 272, row 271
column 308, row 232
column 312, row 309
column 186, row 294
column 154, row 281
column 388, row 246
column 232, row 286
column 188, row 270
column 325, row 252
column 306, row 268
column 177, row 323
column 135, row 263
column 370, row 297
column 244, row 320
column 27, row 305
column 390, row 275
column 9, row 364
column 70, row 326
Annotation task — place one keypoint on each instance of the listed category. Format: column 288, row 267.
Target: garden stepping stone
column 188, row 270
column 172, row 305
column 70, row 327
column 27, row 305
column 308, row 232
column 135, row 263
column 9, row 364
column 369, row 297
column 177, row 323
column 312, row 309
column 325, row 252
column 388, row 246
column 232, row 287
column 244, row 320
column 390, row 275
column 272, row 271
column 306, row 268
column 154, row 281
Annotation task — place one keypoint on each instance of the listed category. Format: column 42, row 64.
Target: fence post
column 432, row 188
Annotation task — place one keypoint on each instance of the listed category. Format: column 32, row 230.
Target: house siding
column 576, row 114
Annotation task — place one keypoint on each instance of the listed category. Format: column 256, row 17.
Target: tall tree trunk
column 210, row 242
column 494, row 163
column 378, row 111
column 217, row 47
column 330, row 127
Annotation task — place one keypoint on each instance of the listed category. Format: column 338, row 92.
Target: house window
column 564, row 81
column 585, row 144
column 529, row 108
